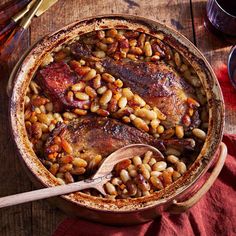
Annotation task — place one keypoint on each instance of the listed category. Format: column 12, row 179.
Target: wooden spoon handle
column 48, row 192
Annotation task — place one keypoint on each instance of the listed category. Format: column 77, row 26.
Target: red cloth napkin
column 228, row 90
column 214, row 214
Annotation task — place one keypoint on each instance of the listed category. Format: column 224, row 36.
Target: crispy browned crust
column 94, row 135
column 158, row 84
column 55, row 79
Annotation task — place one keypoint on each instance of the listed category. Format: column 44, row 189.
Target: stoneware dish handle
column 179, row 207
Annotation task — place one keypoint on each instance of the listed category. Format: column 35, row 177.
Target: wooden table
column 187, row 16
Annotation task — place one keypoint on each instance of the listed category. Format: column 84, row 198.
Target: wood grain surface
column 187, row 16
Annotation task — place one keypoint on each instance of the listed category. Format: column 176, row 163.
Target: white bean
column 159, row 166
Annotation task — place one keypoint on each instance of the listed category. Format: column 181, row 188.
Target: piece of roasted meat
column 55, row 79
column 157, row 83
column 92, row 135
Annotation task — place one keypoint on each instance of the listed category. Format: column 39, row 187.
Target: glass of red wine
column 222, row 16
column 232, row 66
column 221, row 20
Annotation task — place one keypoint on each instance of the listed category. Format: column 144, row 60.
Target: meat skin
column 94, row 135
column 55, row 79
column 80, row 50
column 158, row 84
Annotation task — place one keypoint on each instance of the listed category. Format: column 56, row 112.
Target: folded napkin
column 214, row 214
column 228, row 90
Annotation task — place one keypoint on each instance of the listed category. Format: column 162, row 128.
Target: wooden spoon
column 102, row 175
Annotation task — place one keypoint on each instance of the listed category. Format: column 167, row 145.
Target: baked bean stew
column 110, row 88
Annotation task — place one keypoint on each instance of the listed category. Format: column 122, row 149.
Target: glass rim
column 216, row 1
column 233, row 82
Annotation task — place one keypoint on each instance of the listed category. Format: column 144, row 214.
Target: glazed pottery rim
column 27, row 154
